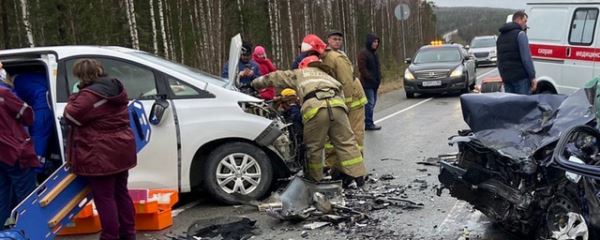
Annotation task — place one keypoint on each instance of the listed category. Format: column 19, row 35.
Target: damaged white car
column 204, row 134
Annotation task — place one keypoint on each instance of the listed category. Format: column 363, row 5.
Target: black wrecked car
column 440, row 69
column 529, row 163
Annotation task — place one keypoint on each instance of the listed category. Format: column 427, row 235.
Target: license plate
column 432, row 83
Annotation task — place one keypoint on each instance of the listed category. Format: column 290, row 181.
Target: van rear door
column 18, row 63
column 581, row 51
column 548, row 44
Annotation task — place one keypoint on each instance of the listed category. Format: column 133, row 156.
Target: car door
column 469, row 64
column 580, row 56
column 157, row 162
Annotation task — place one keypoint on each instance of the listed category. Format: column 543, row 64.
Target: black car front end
column 435, row 81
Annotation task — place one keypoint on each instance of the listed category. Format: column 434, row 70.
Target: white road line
column 486, row 73
column 421, row 102
column 454, row 212
column 403, row 110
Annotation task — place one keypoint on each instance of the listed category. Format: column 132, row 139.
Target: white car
column 207, row 134
column 483, row 49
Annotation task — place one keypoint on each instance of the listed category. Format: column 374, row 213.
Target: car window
column 582, row 26
column 139, row 82
column 483, row 42
column 438, row 55
column 181, row 89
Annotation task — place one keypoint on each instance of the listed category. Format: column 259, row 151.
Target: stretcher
column 58, row 199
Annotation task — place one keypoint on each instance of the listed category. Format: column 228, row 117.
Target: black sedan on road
column 440, row 69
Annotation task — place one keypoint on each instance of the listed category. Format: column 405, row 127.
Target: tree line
column 471, row 21
column 197, row 32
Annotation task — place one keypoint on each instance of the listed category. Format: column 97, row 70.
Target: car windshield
column 483, row 42
column 196, row 73
column 434, row 55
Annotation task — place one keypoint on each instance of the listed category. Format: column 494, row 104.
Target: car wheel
column 562, row 219
column 410, row 95
column 240, row 168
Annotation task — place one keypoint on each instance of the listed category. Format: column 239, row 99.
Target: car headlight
column 408, row 75
column 458, row 72
column 493, row 52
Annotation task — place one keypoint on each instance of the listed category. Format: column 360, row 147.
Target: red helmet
column 308, row 60
column 313, row 43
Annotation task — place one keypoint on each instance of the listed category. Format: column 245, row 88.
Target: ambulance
column 565, row 43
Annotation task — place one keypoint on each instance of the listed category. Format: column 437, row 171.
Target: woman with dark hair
column 101, row 146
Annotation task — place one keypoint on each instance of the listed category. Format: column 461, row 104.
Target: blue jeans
column 371, row 94
column 15, row 185
column 518, row 87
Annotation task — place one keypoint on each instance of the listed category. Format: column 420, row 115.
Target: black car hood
column 516, row 126
column 429, row 66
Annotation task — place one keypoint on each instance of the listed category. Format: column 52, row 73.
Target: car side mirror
column 408, row 60
column 158, row 110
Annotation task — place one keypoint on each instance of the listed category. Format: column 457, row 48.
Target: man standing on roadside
column 370, row 76
column 514, row 58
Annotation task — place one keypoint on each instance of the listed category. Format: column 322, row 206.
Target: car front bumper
column 446, row 85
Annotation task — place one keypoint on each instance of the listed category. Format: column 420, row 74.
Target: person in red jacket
column 17, row 156
column 265, row 66
column 101, row 146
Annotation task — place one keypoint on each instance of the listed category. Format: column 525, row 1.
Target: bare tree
column 129, row 7
column 26, row 23
column 240, row 3
column 162, row 29
column 154, row 33
column 291, row 27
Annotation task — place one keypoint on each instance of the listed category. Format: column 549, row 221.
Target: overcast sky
column 515, row 4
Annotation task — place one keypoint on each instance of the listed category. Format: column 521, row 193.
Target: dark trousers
column 114, row 206
column 371, row 94
column 15, row 185
column 518, row 87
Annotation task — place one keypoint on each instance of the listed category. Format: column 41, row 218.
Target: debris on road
column 315, row 225
column 387, row 177
column 391, row 159
column 225, row 228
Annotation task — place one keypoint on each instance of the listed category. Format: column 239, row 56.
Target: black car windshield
column 196, row 73
column 433, row 55
column 483, row 42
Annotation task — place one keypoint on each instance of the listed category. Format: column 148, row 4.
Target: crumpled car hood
column 518, row 125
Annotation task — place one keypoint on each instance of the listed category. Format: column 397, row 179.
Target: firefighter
column 324, row 115
column 355, row 98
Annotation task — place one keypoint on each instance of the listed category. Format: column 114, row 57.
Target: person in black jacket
column 370, row 77
column 514, row 58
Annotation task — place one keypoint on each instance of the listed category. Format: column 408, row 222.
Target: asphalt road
column 413, row 130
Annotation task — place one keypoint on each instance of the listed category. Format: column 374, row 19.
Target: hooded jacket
column 510, row 62
column 265, row 66
column 368, row 64
column 15, row 144
column 100, row 141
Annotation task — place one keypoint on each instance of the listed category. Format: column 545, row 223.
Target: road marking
column 454, row 212
column 421, row 102
column 486, row 73
column 403, row 110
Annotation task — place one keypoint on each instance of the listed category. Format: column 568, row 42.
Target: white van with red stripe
column 565, row 43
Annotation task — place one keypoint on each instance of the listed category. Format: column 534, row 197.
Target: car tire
column 251, row 177
column 410, row 95
column 563, row 202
